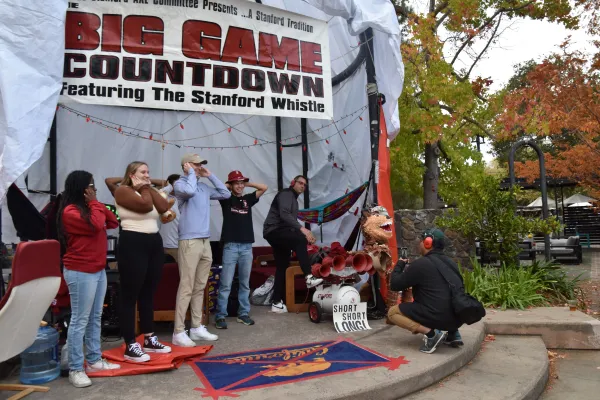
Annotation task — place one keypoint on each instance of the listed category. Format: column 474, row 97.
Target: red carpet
column 158, row 362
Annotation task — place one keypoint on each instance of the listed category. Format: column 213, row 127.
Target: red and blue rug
column 230, row 374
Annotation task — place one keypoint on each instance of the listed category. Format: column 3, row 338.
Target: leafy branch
column 486, row 24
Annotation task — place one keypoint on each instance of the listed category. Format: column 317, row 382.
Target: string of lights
column 137, row 133
column 230, row 127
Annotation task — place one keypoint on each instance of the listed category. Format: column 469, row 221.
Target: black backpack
column 466, row 307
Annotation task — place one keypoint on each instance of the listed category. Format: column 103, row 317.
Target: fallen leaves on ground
column 552, row 355
column 489, row 338
column 589, row 298
column 553, row 373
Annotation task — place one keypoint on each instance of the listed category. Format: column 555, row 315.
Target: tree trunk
column 431, row 176
column 432, row 152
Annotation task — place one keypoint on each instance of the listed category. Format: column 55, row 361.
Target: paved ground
column 590, row 270
column 384, row 382
column 575, row 376
column 506, row 368
column 578, row 372
column 559, row 327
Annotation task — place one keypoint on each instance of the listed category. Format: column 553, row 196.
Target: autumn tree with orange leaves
column 444, row 103
column 558, row 104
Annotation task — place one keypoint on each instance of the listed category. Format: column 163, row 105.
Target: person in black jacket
column 285, row 234
column 431, row 312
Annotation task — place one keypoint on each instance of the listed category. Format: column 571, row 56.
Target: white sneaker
column 311, row 281
column 181, row 339
column 279, row 308
column 201, row 333
column 79, row 379
column 102, row 365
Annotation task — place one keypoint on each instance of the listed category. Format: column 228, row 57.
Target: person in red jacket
column 82, row 222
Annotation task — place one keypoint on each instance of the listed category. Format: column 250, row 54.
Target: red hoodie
column 87, row 245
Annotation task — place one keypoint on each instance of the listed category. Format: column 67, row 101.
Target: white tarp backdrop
column 338, row 151
column 231, row 56
column 31, row 66
column 381, row 16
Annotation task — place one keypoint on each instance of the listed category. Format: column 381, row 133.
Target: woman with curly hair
column 82, row 222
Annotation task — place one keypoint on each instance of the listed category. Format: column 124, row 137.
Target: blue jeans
column 240, row 254
column 87, row 299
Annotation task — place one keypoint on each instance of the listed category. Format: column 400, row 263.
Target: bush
column 519, row 287
column 486, row 213
column 505, row 287
column 559, row 286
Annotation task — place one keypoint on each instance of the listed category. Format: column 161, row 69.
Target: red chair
column 35, row 281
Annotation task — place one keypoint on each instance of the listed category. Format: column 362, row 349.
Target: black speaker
column 233, row 303
column 110, row 314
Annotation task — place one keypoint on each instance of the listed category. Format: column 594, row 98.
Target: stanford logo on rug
column 227, row 375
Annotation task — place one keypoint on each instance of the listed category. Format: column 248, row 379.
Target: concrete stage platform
column 388, row 380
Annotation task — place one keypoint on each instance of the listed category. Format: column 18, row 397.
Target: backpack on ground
column 263, row 295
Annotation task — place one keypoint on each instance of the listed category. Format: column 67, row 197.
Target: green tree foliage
column 488, row 214
column 443, row 106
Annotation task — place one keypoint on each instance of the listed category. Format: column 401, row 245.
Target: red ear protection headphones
column 427, row 240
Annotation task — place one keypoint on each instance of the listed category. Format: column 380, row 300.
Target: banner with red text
column 229, row 56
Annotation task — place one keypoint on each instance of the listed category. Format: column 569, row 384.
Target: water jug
column 39, row 362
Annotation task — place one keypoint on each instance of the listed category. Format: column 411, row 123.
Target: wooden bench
column 169, row 315
column 487, row 257
column 290, row 290
column 269, row 258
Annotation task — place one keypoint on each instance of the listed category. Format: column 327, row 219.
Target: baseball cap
column 193, row 158
column 439, row 239
column 235, row 176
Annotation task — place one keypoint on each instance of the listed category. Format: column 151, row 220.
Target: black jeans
column 284, row 241
column 140, row 261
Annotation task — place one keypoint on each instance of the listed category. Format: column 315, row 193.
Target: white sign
column 229, row 56
column 350, row 317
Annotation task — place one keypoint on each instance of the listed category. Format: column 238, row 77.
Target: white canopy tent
column 579, row 198
column 537, row 203
column 339, row 156
column 581, row 204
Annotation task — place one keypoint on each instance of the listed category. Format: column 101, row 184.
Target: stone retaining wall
column 410, row 225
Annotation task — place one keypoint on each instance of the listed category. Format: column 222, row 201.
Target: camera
column 404, row 253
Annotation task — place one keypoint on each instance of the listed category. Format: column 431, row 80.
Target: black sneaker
column 152, row 345
column 453, row 339
column 430, row 344
column 220, row 323
column 246, row 320
column 134, row 352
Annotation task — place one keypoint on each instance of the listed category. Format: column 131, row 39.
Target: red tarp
column 158, row 362
column 384, row 191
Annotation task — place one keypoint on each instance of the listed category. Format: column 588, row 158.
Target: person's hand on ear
column 187, row 167
column 89, row 195
column 138, row 184
column 204, row 172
